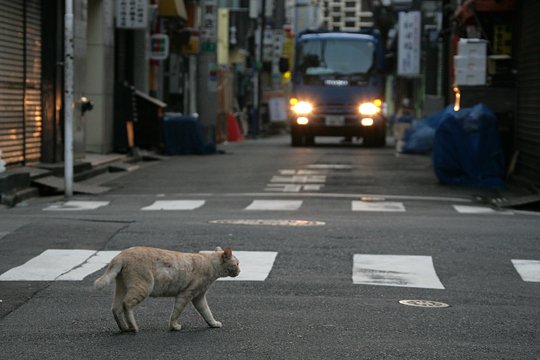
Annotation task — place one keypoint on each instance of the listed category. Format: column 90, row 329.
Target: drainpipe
column 68, row 99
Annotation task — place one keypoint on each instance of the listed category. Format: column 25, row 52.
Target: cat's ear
column 218, row 249
column 227, row 254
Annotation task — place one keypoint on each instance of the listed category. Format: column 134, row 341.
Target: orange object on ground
column 233, row 130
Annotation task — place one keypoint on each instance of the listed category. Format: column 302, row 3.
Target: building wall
column 99, row 87
column 347, row 15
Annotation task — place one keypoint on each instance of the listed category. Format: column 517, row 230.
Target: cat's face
column 230, row 263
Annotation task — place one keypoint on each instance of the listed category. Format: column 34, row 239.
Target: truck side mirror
column 283, row 65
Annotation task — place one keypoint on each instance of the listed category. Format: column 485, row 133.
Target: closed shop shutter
column 528, row 110
column 20, row 81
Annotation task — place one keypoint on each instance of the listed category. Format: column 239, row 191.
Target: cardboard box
column 472, row 47
column 467, row 77
column 470, row 63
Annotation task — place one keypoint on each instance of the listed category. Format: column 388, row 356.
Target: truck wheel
column 376, row 137
column 296, row 136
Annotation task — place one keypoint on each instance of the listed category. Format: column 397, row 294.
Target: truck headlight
column 369, row 109
column 302, row 108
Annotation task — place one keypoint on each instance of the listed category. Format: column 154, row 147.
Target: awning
column 172, row 8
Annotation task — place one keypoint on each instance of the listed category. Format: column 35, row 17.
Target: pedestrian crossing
column 269, row 205
column 410, row 271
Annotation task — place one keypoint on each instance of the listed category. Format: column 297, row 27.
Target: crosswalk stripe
column 47, row 266
column 467, row 209
column 274, row 205
column 395, row 270
column 75, row 205
column 254, row 265
column 175, row 205
column 386, row 206
column 96, row 262
column 529, row 270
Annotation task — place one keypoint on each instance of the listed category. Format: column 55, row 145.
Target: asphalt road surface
column 330, row 239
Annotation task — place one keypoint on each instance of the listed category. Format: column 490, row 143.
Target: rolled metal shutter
column 20, row 81
column 528, row 109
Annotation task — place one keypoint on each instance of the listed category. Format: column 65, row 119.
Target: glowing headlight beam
column 302, row 107
column 368, row 109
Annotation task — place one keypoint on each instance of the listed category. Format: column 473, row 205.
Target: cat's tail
column 110, row 274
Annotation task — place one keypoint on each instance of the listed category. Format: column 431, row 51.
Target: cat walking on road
column 142, row 272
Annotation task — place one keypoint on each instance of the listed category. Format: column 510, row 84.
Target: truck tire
column 376, row 137
column 299, row 139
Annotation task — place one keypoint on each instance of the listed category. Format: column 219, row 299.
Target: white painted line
column 175, row 205
column 529, row 270
column 274, row 205
column 283, row 187
column 395, row 270
column 377, row 206
column 312, row 187
column 93, row 264
column 302, row 172
column 465, row 209
column 74, row 205
column 2, row 234
column 329, row 166
column 254, row 265
column 47, row 266
column 299, row 179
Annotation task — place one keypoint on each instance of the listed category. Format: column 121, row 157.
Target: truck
column 338, row 87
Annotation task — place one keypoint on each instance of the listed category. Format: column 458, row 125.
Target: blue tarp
column 418, row 139
column 467, row 148
column 182, row 135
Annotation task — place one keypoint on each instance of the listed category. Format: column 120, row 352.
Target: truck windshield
column 335, row 57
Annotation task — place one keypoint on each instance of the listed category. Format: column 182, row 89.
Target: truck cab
column 337, row 88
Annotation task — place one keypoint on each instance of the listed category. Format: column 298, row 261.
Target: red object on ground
column 233, row 130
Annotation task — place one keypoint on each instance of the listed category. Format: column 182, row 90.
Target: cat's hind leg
column 202, row 307
column 179, row 305
column 117, row 308
column 134, row 296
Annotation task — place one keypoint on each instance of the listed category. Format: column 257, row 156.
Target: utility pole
column 262, row 23
column 68, row 99
column 207, row 70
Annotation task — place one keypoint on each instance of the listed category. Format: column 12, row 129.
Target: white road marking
column 395, row 270
column 96, row 262
column 466, row 209
column 329, row 166
column 302, row 172
column 274, row 205
column 47, row 266
column 75, row 205
column 175, row 205
column 254, row 265
column 299, row 179
column 529, row 270
column 378, row 206
column 283, row 187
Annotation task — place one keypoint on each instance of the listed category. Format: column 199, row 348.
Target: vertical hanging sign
column 409, row 43
column 131, row 14
column 208, row 29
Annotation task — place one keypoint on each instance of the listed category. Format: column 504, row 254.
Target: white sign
column 409, row 43
column 131, row 14
column 159, row 46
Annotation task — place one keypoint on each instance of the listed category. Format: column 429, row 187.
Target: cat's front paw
column 175, row 327
column 216, row 324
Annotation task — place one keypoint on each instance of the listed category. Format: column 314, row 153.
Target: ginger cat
column 141, row 272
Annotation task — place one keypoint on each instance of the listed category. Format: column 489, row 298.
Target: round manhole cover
column 424, row 303
column 269, row 222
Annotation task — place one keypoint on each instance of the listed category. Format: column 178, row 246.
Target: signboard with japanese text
column 409, row 42
column 208, row 28
column 131, row 14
